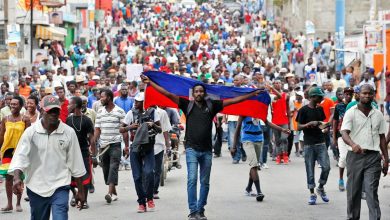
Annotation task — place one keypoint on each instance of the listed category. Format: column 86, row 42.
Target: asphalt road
column 284, row 187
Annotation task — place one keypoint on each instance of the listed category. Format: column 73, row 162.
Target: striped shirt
column 109, row 123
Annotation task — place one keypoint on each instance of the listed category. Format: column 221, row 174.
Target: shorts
column 343, row 150
column 301, row 136
column 253, row 152
column 297, row 136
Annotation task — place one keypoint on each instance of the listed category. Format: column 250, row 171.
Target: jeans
column 203, row 160
column 319, row 153
column 58, row 203
column 218, row 142
column 232, row 125
column 142, row 166
column 158, row 162
column 387, row 107
column 267, row 141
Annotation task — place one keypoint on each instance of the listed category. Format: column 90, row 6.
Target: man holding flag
column 199, row 114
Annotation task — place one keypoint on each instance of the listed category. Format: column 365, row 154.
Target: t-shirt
column 83, row 126
column 251, row 130
column 338, row 115
column 199, row 124
column 327, row 104
column 109, row 123
column 311, row 135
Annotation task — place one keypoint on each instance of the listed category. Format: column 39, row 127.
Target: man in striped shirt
column 108, row 121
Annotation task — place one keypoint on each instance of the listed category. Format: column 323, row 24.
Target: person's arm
column 2, row 132
column 308, row 125
column 167, row 139
column 276, row 127
column 335, row 122
column 238, row 99
column 274, row 91
column 18, row 182
column 80, row 196
column 236, row 134
column 97, row 134
column 288, row 110
column 161, row 90
column 348, row 140
column 156, row 126
column 385, row 154
column 27, row 122
column 387, row 136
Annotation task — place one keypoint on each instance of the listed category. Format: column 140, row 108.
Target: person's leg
column 343, row 150
column 218, row 143
column 158, row 161
column 105, row 162
column 290, row 143
column 232, row 130
column 323, row 160
column 205, row 162
column 136, row 169
column 372, row 174
column 39, row 206
column 192, row 179
column 354, row 184
column 309, row 164
column 60, row 203
column 267, row 139
column 8, row 188
column 115, row 158
column 278, row 147
column 148, row 173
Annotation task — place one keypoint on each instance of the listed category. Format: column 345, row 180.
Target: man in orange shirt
column 328, row 105
column 24, row 89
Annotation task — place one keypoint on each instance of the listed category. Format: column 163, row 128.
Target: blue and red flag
column 256, row 107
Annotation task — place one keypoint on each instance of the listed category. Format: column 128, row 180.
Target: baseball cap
column 300, row 93
column 49, row 102
column 140, row 97
column 79, row 79
column 316, row 91
column 348, row 89
column 220, row 81
column 91, row 83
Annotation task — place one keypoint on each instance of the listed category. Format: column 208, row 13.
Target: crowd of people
column 75, row 109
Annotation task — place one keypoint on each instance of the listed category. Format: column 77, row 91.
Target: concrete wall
column 293, row 14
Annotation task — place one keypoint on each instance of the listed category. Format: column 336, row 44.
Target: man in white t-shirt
column 162, row 143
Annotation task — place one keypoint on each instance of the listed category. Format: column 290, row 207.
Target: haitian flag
column 256, row 106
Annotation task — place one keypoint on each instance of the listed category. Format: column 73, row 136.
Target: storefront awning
column 50, row 33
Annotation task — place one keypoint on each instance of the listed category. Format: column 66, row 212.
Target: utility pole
column 31, row 29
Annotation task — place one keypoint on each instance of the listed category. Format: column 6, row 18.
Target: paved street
column 283, row 186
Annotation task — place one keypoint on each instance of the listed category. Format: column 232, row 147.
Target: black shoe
column 260, row 197
column 91, row 189
column 201, row 216
column 243, row 158
column 193, row 216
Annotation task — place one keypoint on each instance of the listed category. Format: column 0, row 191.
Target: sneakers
column 114, row 197
column 250, row 193
column 201, row 216
column 236, row 161
column 260, row 197
column 155, row 196
column 278, row 159
column 285, row 158
column 312, row 199
column 297, row 154
column 264, row 166
column 341, row 185
column 151, row 205
column 364, row 195
column 322, row 193
column 141, row 209
column 193, row 216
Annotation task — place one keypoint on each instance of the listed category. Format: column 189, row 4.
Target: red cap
column 91, row 83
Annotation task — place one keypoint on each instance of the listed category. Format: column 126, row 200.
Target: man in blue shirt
column 124, row 101
column 251, row 133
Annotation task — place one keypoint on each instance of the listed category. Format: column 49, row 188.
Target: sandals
column 6, row 210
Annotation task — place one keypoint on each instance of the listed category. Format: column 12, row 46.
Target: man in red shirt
column 281, row 117
column 248, row 18
column 64, row 104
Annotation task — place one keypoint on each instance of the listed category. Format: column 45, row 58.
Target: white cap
column 283, row 70
column 140, row 97
column 95, row 77
column 300, row 93
column 56, row 84
column 220, row 81
column 194, row 75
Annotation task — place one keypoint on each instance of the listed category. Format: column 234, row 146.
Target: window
column 2, row 34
